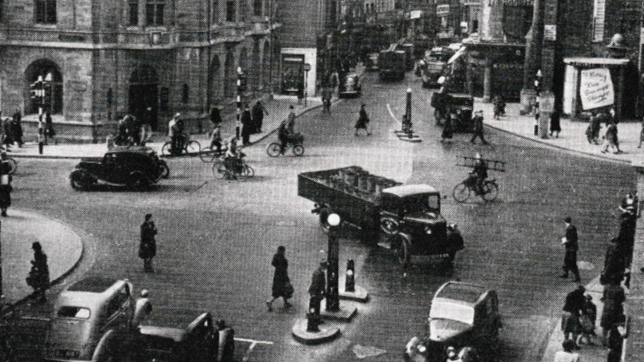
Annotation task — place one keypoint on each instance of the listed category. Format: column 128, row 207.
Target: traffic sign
column 307, row 67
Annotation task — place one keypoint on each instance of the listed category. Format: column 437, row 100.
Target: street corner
column 63, row 246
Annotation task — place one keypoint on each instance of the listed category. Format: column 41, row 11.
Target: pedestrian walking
column 247, row 126
column 327, row 93
column 448, row 131
column 363, row 121
column 282, row 287
column 8, row 135
column 177, row 136
column 478, row 127
column 38, row 277
column 300, row 88
column 147, row 119
column 570, row 242
column 567, row 355
column 258, row 116
column 615, row 340
column 610, row 139
column 587, row 321
column 613, row 298
column 317, row 290
column 148, row 245
column 555, row 123
column 614, row 263
column 5, row 184
column 572, row 309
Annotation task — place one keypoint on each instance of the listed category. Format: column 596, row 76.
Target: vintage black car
column 457, row 106
column 461, row 315
column 201, row 341
column 134, row 167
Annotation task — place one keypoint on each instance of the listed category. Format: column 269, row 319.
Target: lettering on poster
column 596, row 89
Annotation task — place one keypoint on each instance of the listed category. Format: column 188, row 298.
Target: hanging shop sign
column 442, row 10
column 596, row 88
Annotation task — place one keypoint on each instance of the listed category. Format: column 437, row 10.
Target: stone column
column 487, row 80
column 534, row 42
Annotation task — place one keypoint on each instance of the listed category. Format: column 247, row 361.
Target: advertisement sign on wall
column 596, row 89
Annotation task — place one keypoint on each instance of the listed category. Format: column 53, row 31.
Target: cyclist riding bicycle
column 479, row 173
column 215, row 139
column 233, row 157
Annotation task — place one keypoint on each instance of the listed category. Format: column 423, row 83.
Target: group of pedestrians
column 610, row 137
column 133, row 130
column 252, row 121
column 579, row 312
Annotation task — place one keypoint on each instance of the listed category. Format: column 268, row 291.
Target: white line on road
column 392, row 113
column 254, row 341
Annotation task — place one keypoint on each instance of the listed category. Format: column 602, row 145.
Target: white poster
column 596, row 89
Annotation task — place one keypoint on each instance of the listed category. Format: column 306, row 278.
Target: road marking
column 250, row 349
column 392, row 113
column 42, row 319
column 200, row 186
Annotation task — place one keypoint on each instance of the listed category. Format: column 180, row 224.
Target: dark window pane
column 149, row 14
column 215, row 11
column 134, row 13
column 257, row 7
column 159, row 17
column 1, row 8
column 230, row 11
column 50, row 12
column 185, row 97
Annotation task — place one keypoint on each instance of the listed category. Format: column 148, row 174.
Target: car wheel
column 165, row 170
column 81, row 180
column 138, row 181
column 219, row 169
column 13, row 165
column 403, row 249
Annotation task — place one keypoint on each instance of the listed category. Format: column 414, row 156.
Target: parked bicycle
column 190, row 147
column 236, row 169
column 295, row 143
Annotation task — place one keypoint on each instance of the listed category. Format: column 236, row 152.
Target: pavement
column 573, row 138
column 64, row 247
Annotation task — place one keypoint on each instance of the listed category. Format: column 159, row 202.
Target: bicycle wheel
column 207, row 155
column 13, row 165
column 219, row 169
column 273, row 149
column 298, row 150
column 248, row 171
column 461, row 192
column 490, row 191
column 166, row 150
column 193, row 148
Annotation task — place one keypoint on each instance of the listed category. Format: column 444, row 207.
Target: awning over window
column 595, row 62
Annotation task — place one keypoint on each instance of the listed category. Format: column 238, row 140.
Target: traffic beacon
column 350, row 280
column 332, row 293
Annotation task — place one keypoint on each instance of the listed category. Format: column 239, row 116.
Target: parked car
column 200, row 341
column 350, row 85
column 89, row 317
column 461, row 315
column 134, row 167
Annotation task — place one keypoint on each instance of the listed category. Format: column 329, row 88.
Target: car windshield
column 422, row 203
column 452, row 311
column 73, row 312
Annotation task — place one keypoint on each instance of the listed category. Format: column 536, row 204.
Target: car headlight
column 428, row 230
column 421, row 348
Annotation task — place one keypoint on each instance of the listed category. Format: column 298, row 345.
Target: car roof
column 146, row 151
column 406, row 190
column 467, row 293
column 93, row 284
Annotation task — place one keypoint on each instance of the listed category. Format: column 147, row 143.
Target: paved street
column 216, row 237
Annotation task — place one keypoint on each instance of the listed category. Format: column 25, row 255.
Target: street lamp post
column 332, row 293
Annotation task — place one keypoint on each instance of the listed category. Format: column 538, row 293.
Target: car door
column 112, row 168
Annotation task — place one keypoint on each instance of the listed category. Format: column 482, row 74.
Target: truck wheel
column 324, row 215
column 402, row 245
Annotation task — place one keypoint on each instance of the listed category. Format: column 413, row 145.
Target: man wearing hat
column 317, row 290
column 570, row 242
column 478, row 127
column 148, row 246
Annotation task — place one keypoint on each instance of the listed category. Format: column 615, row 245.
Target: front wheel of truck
column 402, row 245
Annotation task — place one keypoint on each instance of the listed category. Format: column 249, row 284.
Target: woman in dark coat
column 555, row 123
column 215, row 116
column 281, row 283
column 247, row 126
column 39, row 275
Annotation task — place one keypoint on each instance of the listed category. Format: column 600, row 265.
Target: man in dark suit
column 571, row 245
column 148, row 246
column 317, row 290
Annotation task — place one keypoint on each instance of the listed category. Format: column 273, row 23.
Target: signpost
column 307, row 68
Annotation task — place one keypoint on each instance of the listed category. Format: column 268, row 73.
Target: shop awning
column 457, row 55
column 595, row 62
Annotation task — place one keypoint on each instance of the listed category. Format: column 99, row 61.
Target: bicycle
column 240, row 171
column 190, row 147
column 208, row 155
column 295, row 141
column 489, row 190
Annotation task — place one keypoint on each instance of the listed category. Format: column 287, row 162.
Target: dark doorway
column 144, row 93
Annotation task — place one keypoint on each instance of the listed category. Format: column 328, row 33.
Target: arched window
column 45, row 11
column 47, row 70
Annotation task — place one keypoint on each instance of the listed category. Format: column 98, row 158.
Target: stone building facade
column 108, row 58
